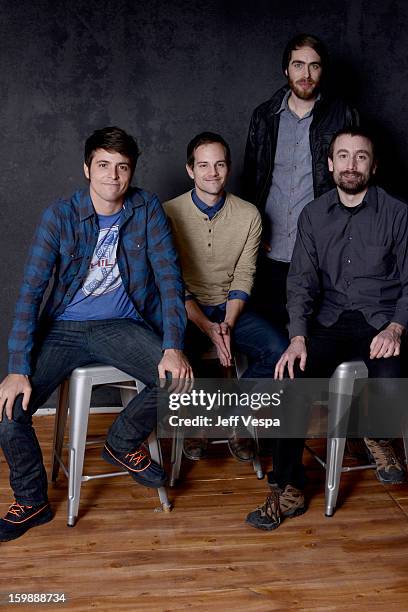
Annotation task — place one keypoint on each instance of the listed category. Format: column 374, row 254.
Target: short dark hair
column 304, row 40
column 112, row 139
column 206, row 138
column 353, row 131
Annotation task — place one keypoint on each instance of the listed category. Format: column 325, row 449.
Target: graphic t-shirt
column 102, row 295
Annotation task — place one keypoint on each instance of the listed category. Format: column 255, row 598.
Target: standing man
column 347, row 299
column 217, row 237
column 117, row 299
column 286, row 162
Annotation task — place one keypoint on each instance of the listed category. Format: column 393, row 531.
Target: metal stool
column 76, row 392
column 340, row 397
column 240, row 364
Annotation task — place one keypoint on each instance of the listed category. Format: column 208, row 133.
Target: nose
column 352, row 162
column 113, row 172
column 214, row 170
column 306, row 71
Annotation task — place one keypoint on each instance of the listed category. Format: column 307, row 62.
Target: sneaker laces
column 18, row 509
column 136, row 457
column 271, row 508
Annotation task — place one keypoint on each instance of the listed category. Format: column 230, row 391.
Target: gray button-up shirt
column 292, row 181
column 344, row 261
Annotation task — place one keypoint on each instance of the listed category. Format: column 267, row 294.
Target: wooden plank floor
column 122, row 555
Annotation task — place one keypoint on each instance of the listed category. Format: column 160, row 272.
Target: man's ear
column 86, row 172
column 286, row 72
column 330, row 163
column 374, row 167
column 190, row 171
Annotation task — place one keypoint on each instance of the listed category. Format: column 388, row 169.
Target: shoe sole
column 135, row 475
column 41, row 520
column 390, row 482
column 264, row 527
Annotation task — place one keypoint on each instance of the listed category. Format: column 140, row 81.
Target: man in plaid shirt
column 117, row 299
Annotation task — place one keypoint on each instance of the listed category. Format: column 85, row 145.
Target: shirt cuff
column 18, row 364
column 238, row 295
column 297, row 329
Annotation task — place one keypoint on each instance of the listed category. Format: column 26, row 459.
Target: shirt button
column 350, row 237
column 209, row 244
column 209, row 231
column 348, row 261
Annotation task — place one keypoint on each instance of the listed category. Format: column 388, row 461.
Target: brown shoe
column 242, row 449
column 279, row 505
column 291, row 502
column 389, row 470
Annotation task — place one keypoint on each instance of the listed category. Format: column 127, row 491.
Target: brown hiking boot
column 389, row 470
column 279, row 505
column 292, row 502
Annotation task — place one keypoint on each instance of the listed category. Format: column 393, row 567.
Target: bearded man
column 286, row 162
column 347, row 299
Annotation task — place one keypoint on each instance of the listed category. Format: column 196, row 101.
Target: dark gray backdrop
column 165, row 71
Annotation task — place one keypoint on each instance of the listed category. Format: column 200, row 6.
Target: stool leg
column 59, row 428
column 256, row 461
column 334, row 463
column 405, row 438
column 155, row 453
column 257, row 467
column 339, row 410
column 176, row 454
column 79, row 401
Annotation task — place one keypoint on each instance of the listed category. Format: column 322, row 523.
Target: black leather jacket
column 329, row 116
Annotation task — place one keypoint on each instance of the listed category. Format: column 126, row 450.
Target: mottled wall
column 164, row 71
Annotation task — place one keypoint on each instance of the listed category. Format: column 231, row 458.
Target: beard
column 351, row 182
column 302, row 92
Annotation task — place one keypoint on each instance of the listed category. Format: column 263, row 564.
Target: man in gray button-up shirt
column 286, row 162
column 347, row 299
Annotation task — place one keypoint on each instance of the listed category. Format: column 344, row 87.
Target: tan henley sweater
column 217, row 255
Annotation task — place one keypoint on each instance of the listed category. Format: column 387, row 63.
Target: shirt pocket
column 72, row 257
column 379, row 261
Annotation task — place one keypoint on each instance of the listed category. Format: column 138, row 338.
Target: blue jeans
column 254, row 336
column 123, row 343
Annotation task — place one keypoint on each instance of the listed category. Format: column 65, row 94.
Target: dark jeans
column 254, row 336
column 123, row 343
column 269, row 292
column 349, row 338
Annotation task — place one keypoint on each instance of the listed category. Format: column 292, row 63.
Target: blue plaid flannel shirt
column 64, row 243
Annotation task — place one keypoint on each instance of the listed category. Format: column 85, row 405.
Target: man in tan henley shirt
column 217, row 237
